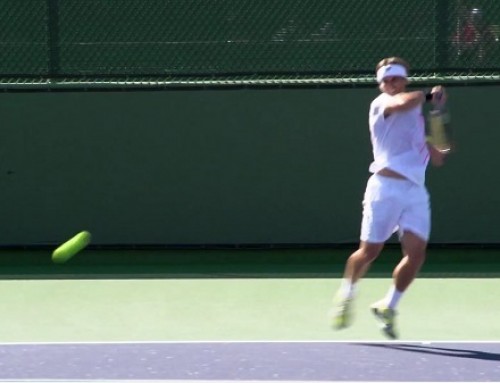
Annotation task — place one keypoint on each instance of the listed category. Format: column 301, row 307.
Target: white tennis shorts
column 392, row 204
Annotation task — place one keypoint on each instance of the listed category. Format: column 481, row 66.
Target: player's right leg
column 356, row 267
column 380, row 218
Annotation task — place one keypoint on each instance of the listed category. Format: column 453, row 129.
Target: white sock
column 347, row 288
column 393, row 296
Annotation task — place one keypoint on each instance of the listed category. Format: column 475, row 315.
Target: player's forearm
column 406, row 101
column 437, row 157
column 409, row 100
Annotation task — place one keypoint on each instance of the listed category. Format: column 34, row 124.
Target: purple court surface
column 259, row 362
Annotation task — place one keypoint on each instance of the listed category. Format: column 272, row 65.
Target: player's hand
column 438, row 95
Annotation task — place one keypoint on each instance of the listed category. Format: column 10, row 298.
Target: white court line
column 200, row 381
column 173, row 381
column 166, row 342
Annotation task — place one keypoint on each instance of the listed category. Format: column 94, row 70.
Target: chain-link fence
column 226, row 40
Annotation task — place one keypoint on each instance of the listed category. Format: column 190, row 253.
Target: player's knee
column 417, row 257
column 368, row 254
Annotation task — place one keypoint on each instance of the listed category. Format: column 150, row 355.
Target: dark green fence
column 82, row 39
column 227, row 167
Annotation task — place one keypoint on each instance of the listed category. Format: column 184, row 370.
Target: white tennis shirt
column 398, row 141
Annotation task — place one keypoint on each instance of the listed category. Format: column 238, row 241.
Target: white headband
column 390, row 70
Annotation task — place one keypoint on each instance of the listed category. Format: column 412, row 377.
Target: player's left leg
column 414, row 231
column 414, row 252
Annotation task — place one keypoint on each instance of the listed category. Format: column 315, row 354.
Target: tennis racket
column 439, row 131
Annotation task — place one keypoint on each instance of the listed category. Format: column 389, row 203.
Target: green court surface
column 180, row 295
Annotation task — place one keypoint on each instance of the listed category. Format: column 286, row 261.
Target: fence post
column 53, row 37
column 442, row 34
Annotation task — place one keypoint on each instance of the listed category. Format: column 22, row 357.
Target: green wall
column 248, row 166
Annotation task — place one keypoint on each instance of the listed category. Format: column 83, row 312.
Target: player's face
column 393, row 85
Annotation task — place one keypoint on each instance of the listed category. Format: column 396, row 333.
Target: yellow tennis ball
column 71, row 247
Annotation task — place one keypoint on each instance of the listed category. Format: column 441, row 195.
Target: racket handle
column 440, row 136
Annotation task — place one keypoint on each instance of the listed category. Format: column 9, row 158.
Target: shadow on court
column 441, row 351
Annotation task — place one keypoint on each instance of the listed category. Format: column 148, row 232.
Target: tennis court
column 279, row 362
column 240, row 321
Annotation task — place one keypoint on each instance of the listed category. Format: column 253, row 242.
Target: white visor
column 391, row 70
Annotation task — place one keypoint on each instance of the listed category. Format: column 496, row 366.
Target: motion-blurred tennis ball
column 71, row 247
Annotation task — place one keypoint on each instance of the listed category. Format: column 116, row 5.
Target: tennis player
column 396, row 199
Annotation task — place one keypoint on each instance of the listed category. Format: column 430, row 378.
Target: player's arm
column 437, row 157
column 438, row 96
column 404, row 101
column 408, row 100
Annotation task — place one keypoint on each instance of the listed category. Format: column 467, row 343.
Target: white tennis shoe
column 386, row 317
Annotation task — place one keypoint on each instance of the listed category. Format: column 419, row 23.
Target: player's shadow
column 441, row 351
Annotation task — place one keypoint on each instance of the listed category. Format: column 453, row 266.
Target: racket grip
column 439, row 134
